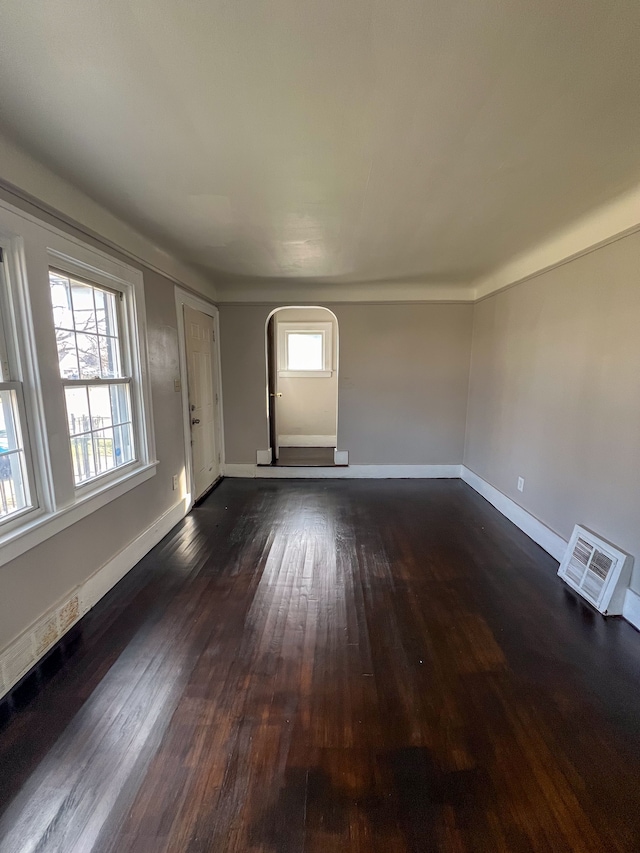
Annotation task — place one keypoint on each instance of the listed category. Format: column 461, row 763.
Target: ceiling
column 336, row 140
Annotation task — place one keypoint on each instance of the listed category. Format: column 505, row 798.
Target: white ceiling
column 333, row 140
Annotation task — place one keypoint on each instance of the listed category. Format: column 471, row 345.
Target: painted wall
column 403, row 381
column 38, row 579
column 308, row 405
column 555, row 395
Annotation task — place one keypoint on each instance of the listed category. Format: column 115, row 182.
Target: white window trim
column 287, row 328
column 30, row 248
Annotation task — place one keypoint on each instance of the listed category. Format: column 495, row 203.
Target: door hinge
column 218, row 458
column 1, row 255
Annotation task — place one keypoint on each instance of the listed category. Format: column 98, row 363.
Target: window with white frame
column 15, row 461
column 76, row 425
column 92, row 355
column 305, row 349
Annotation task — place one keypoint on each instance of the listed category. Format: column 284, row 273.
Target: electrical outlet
column 521, row 484
column 174, row 481
column 177, row 386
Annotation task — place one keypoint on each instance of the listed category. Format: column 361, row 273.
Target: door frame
column 198, row 303
column 265, row 457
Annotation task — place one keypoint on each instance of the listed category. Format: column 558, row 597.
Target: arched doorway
column 302, row 367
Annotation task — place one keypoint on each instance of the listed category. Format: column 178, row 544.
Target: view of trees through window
column 97, row 392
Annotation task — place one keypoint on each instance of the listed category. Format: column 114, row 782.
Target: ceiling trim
column 260, row 293
column 605, row 224
column 28, row 180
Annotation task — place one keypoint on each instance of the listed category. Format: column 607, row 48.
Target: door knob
column 195, row 420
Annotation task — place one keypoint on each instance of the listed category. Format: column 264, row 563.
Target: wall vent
column 597, row 570
column 29, row 647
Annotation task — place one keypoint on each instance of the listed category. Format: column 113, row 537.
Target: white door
column 200, row 337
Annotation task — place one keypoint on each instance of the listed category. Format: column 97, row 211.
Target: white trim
column 30, row 181
column 84, row 597
column 184, row 297
column 603, row 225
column 351, row 472
column 263, row 457
column 631, row 608
column 307, row 440
column 529, row 524
column 340, row 457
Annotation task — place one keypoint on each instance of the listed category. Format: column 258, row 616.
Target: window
column 15, row 475
column 305, row 349
column 76, row 428
column 93, row 371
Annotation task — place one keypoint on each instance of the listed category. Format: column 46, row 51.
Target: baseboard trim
column 529, row 524
column 29, row 647
column 351, row 472
column 307, row 440
column 631, row 608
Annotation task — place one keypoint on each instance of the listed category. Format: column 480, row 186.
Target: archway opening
column 302, row 367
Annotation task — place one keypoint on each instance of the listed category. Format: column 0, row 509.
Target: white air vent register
column 596, row 570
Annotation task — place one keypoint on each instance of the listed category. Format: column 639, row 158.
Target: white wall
column 403, row 380
column 554, row 394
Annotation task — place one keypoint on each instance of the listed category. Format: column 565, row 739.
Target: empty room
column 320, row 426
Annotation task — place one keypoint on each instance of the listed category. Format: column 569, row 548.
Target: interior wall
column 308, row 406
column 555, row 395
column 403, row 381
column 39, row 578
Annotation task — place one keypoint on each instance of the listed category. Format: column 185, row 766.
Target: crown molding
column 29, row 181
column 314, row 292
column 605, row 224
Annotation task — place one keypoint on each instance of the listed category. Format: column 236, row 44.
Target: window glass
column 14, row 495
column 89, row 348
column 305, row 351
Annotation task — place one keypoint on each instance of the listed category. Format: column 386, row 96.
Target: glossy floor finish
column 334, row 666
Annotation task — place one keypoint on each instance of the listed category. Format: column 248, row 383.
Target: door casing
column 182, row 298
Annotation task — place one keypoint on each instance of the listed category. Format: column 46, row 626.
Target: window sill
column 37, row 530
column 305, row 374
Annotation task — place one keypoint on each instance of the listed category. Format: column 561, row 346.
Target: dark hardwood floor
column 305, row 457
column 334, row 666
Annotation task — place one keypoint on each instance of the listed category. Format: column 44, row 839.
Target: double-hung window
column 76, row 426
column 95, row 368
column 17, row 495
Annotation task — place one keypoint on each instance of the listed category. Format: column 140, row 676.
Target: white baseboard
column 631, row 608
column 307, row 440
column 352, row 472
column 31, row 645
column 529, row 524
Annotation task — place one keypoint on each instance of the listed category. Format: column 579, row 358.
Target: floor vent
column 27, row 649
column 597, row 570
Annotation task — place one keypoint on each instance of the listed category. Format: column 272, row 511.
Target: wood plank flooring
column 327, row 666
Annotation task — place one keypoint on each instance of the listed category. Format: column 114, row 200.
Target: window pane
column 100, row 406
column 304, row 351
column 67, row 354
column 88, row 356
column 120, row 408
column 86, row 322
column 82, row 456
column 104, row 450
column 77, row 409
column 123, row 438
column 61, row 299
column 96, row 447
column 84, row 312
column 13, row 490
column 109, row 358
